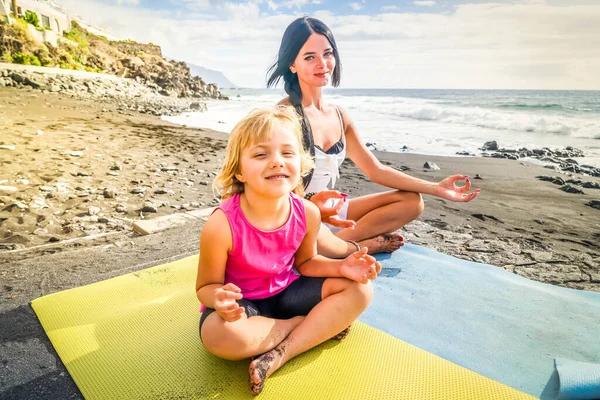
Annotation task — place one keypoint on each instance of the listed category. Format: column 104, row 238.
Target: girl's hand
column 329, row 215
column 447, row 189
column 225, row 302
column 360, row 267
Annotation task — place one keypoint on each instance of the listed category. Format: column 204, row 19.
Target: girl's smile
column 272, row 167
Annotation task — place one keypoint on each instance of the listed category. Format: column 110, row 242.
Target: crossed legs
column 376, row 216
column 278, row 341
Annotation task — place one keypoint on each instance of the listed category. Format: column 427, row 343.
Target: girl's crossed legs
column 279, row 340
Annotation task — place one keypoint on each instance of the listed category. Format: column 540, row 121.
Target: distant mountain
column 211, row 76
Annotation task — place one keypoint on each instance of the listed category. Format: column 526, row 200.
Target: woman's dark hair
column 294, row 37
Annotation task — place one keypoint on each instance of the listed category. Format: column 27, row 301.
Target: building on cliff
column 52, row 16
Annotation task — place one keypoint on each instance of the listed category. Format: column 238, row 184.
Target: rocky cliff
column 84, row 51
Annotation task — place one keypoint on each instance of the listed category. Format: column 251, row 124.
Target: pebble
column 8, row 189
column 432, row 166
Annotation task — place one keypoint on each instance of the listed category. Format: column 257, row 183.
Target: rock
column 149, row 207
column 571, row 189
column 76, row 154
column 594, row 204
column 8, row 189
column 492, row 145
column 591, row 185
column 109, row 193
column 7, row 147
column 138, row 190
column 432, row 166
column 92, row 210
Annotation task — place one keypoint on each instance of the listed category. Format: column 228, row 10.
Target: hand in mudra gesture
column 360, row 267
column 225, row 302
column 448, row 189
column 329, row 215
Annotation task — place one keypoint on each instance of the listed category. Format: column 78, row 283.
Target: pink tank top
column 261, row 262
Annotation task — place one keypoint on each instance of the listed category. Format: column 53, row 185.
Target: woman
column 308, row 58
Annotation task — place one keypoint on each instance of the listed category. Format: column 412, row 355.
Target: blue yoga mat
column 489, row 320
column 578, row 380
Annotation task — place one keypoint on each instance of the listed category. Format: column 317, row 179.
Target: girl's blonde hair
column 256, row 127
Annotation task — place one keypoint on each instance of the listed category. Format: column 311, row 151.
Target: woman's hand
column 360, row 267
column 329, row 215
column 225, row 302
column 447, row 189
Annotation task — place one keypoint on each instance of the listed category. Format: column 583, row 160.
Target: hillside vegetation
column 81, row 50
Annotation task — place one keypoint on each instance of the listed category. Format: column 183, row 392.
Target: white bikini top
column 327, row 163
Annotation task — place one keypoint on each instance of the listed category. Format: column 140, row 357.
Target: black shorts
column 297, row 299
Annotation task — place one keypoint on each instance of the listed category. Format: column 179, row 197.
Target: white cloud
column 298, row 3
column 426, row 3
column 272, row 5
column 241, row 11
column 523, row 45
column 355, row 6
column 133, row 2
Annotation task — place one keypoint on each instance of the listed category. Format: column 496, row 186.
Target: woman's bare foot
column 342, row 335
column 262, row 367
column 385, row 243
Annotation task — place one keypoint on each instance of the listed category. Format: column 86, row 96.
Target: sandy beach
column 75, row 176
column 87, row 169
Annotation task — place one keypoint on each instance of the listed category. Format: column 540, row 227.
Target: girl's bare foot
column 342, row 335
column 385, row 243
column 262, row 367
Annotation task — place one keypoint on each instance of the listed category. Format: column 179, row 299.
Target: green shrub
column 45, row 62
column 77, row 36
column 33, row 60
column 32, row 18
column 7, row 58
column 26, row 59
column 20, row 58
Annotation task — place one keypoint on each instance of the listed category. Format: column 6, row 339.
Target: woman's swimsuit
column 327, row 170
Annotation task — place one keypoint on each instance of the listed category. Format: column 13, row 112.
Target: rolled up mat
column 578, row 380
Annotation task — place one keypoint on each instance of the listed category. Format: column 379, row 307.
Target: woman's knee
column 411, row 202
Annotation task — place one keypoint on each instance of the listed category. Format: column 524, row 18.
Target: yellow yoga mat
column 136, row 337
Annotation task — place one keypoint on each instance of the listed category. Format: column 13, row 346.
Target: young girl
column 308, row 59
column 253, row 302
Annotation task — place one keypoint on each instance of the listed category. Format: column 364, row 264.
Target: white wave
column 427, row 110
column 427, row 126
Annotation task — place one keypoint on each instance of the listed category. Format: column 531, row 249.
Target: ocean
column 441, row 122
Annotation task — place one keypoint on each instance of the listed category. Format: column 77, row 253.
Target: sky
column 437, row 44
